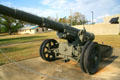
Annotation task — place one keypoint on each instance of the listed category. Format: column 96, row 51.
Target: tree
column 12, row 25
column 78, row 19
column 75, row 19
column 49, row 18
column 63, row 20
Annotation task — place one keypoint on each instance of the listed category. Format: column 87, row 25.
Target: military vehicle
column 79, row 47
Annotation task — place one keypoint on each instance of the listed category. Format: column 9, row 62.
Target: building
column 30, row 30
column 107, row 19
column 104, row 28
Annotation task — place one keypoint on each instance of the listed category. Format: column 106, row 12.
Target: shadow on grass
column 1, row 63
column 3, row 34
column 22, row 38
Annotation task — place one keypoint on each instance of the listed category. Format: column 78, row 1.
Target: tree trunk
column 9, row 29
column 42, row 29
column 10, row 32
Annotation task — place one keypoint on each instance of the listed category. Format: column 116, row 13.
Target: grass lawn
column 12, row 39
column 112, row 40
column 30, row 50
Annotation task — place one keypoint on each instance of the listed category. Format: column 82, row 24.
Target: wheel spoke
column 46, row 49
column 50, row 44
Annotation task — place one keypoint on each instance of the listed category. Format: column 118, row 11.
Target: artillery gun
column 79, row 47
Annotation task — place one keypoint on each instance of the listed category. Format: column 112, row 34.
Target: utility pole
column 71, row 17
column 56, row 17
column 92, row 16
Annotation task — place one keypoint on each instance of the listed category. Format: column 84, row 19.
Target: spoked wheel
column 92, row 58
column 47, row 49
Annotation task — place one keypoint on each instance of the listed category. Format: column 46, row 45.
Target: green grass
column 21, row 40
column 19, row 52
column 112, row 40
column 22, row 51
column 14, row 48
column 14, row 39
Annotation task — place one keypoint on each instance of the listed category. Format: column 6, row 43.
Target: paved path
column 38, row 69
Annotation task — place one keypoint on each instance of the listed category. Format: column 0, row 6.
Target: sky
column 62, row 8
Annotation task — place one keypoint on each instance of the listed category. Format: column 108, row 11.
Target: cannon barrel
column 24, row 16
column 71, row 33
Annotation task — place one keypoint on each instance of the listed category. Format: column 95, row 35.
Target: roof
column 29, row 27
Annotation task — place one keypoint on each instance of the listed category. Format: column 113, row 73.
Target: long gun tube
column 72, row 33
column 24, row 16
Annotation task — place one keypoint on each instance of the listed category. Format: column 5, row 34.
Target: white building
column 30, row 30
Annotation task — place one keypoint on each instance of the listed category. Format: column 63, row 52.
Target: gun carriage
column 79, row 47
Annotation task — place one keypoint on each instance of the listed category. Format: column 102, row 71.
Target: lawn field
column 112, row 40
column 13, row 39
column 20, row 47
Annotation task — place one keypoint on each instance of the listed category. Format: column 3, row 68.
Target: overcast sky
column 62, row 8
